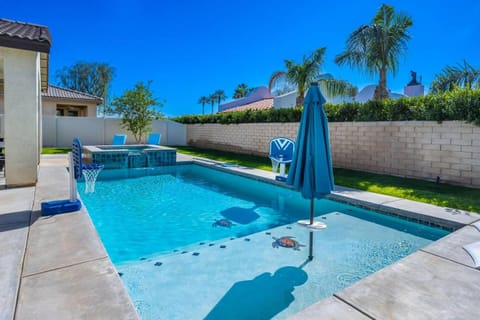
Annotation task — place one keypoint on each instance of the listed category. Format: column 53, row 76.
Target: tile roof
column 55, row 92
column 258, row 94
column 257, row 105
column 26, row 36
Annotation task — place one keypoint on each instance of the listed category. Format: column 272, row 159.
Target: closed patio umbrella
column 311, row 170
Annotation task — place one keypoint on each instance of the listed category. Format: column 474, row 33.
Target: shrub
column 460, row 104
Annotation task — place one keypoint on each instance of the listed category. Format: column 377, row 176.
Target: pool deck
column 57, row 268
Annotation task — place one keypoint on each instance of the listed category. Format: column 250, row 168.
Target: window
column 71, row 111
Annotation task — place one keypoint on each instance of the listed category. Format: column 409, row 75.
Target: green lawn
column 237, row 158
column 55, row 150
column 424, row 191
column 444, row 195
column 429, row 192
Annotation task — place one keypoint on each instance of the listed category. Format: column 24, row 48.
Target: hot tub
column 130, row 156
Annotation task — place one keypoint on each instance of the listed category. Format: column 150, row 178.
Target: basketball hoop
column 90, row 173
column 76, row 170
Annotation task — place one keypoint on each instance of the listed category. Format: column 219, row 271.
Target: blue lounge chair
column 281, row 153
column 119, row 139
column 154, row 138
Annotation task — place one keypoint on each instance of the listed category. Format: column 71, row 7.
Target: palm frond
column 462, row 75
column 334, row 87
column 274, row 77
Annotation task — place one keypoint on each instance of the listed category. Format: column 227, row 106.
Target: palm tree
column 212, row 99
column 220, row 96
column 241, row 91
column 375, row 48
column 304, row 73
column 203, row 100
column 456, row 76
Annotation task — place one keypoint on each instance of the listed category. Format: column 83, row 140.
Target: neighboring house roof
column 28, row 36
column 260, row 93
column 366, row 94
column 257, row 105
column 58, row 93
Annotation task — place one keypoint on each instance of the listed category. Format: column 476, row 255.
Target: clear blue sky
column 192, row 48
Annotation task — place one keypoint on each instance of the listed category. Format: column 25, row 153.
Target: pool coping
column 32, row 290
column 439, row 217
column 108, row 148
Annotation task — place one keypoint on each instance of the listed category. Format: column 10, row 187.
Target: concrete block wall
column 416, row 149
column 251, row 138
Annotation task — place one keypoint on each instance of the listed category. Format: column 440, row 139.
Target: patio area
column 56, row 267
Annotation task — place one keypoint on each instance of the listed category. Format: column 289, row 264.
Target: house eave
column 75, row 100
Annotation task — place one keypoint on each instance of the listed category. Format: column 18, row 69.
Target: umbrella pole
column 310, row 252
column 311, row 211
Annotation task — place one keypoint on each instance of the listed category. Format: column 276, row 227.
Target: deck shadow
column 16, row 220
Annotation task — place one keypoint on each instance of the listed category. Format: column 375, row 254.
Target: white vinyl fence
column 1, row 125
column 60, row 131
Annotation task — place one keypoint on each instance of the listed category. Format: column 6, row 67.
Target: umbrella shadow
column 241, row 215
column 260, row 298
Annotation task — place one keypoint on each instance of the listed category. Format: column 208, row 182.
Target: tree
column 242, row 90
column 212, row 99
column 463, row 76
column 302, row 74
column 203, row 100
column 89, row 77
column 138, row 108
column 219, row 96
column 375, row 48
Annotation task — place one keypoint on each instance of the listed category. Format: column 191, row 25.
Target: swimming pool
column 160, row 228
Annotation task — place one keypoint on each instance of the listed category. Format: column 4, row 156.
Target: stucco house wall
column 22, row 93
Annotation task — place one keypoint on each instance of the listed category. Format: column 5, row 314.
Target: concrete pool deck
column 56, row 267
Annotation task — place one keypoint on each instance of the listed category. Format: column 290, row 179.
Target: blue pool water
column 159, row 228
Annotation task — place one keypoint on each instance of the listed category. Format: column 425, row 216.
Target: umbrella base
column 315, row 226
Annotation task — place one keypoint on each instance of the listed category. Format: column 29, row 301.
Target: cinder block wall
column 416, row 149
column 251, row 138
